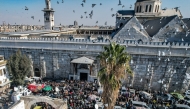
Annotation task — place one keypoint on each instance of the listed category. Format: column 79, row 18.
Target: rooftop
column 3, row 63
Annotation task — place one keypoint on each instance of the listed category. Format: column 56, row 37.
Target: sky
column 13, row 11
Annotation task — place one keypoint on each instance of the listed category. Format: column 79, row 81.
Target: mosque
column 157, row 40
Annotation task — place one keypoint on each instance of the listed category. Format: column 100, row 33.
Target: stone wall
column 151, row 62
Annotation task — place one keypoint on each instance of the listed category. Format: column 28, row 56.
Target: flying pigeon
column 57, row 2
column 82, row 5
column 91, row 12
column 93, row 5
column 123, row 6
column 130, row 6
column 62, row 1
column 32, row 17
column 105, row 23
column 96, row 21
column 85, row 12
column 26, row 8
column 90, row 16
column 119, row 3
column 113, row 15
column 81, row 17
column 100, row 3
column 74, row 11
column 111, row 9
column 84, row 1
column 86, row 16
column 39, row 20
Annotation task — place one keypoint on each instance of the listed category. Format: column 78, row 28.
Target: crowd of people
column 84, row 95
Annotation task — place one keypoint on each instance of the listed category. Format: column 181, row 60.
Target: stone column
column 32, row 69
column 42, row 67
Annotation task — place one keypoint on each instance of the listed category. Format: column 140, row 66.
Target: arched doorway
column 31, row 101
column 37, row 72
column 41, row 105
column 121, row 24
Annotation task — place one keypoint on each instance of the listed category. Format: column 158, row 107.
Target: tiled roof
column 153, row 26
column 187, row 22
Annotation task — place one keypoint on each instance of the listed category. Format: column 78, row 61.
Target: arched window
column 140, row 9
column 150, row 8
column 155, row 8
column 158, row 8
column 146, row 8
column 137, row 8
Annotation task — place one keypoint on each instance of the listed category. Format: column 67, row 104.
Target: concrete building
column 4, row 76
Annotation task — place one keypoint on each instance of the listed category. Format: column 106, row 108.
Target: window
column 150, row 8
column 158, row 8
column 155, row 8
column 140, row 9
column 47, row 18
column 146, row 8
column 137, row 8
column 4, row 71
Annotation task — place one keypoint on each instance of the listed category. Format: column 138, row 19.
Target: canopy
column 47, row 88
column 35, row 88
column 82, row 60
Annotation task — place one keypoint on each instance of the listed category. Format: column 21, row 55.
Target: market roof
column 82, row 60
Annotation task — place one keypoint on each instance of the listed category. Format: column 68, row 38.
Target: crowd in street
column 84, row 95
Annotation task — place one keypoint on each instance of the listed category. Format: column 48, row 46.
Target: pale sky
column 13, row 11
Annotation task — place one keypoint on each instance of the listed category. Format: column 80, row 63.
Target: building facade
column 4, row 76
column 159, row 49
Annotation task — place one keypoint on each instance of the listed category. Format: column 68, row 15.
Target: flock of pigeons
column 91, row 13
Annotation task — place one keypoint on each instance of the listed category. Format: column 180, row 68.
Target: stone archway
column 56, row 103
column 42, row 104
column 37, row 72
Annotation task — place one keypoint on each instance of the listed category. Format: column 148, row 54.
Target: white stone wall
column 4, row 76
column 145, row 56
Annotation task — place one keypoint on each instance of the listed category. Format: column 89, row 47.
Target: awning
column 82, row 60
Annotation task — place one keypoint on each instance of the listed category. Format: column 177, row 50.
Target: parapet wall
column 133, row 47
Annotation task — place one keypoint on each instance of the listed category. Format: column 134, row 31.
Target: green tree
column 114, row 67
column 19, row 66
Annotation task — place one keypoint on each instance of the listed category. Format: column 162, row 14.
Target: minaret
column 48, row 16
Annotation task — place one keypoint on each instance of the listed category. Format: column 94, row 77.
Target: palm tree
column 114, row 66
